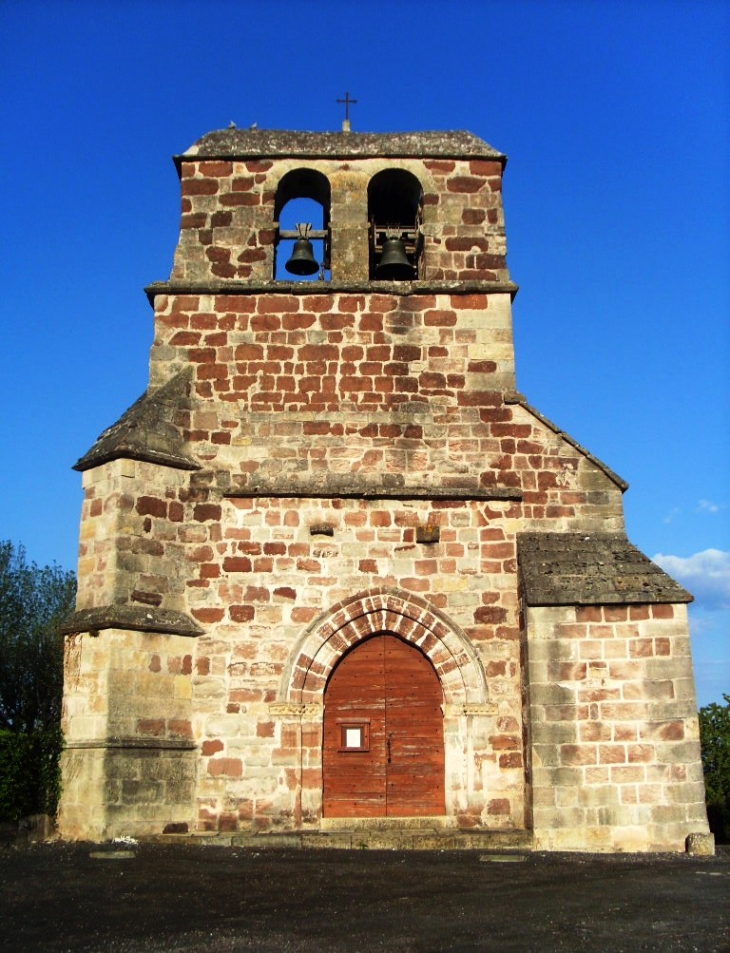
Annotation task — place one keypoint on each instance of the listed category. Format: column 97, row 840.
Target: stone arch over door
column 468, row 714
column 411, row 618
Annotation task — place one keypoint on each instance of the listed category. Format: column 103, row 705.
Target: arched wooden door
column 383, row 749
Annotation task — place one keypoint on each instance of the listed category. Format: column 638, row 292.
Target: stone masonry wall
column 274, row 573
column 299, row 404
column 129, row 760
column 614, row 733
column 350, row 392
column 228, row 230
column 132, row 538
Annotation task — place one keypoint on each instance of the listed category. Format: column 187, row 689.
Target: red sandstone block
column 485, row 167
column 473, row 216
column 216, row 253
column 149, row 506
column 265, row 729
column 212, row 372
column 336, row 322
column 202, row 665
column 257, row 594
column 203, row 321
column 150, row 726
column 465, row 184
column 241, row 613
column 439, row 319
column 285, row 592
column 194, row 220
column 662, row 646
column 236, row 564
column 206, row 512
column 496, row 668
column 504, row 742
column 641, row 754
column 240, row 199
column 251, row 254
column 298, row 322
column 198, row 187
column 209, row 748
column 489, row 615
column 216, row 168
column 259, row 165
column 662, row 612
column 180, row 728
column 208, row 616
column 641, row 648
column 588, row 614
column 510, row 759
column 672, row 731
column 439, row 165
column 228, row 767
column 578, row 754
column 498, row 806
column 277, row 304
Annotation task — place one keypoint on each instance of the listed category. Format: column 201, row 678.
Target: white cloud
column 705, row 574
column 707, row 506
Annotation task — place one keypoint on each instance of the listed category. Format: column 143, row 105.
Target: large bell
column 394, row 264
column 302, row 261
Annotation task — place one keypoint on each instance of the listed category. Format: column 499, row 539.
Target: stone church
column 335, row 572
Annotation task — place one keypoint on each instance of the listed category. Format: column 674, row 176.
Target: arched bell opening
column 395, row 205
column 302, row 222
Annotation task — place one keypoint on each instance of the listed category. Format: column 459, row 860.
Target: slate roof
column 236, row 143
column 137, row 618
column 560, row 569
column 146, row 431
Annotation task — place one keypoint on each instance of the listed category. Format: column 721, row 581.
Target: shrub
column 33, row 602
column 30, row 781
column 715, row 741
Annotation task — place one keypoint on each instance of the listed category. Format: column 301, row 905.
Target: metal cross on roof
column 347, row 103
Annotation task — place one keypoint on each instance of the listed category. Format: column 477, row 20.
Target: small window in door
column 355, row 737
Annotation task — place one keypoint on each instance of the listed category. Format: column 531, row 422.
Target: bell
column 302, row 261
column 394, row 264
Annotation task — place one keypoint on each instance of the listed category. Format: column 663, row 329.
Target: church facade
column 334, row 569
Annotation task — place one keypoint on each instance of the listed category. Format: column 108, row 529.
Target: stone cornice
column 134, row 618
column 148, row 744
column 401, row 288
column 361, row 492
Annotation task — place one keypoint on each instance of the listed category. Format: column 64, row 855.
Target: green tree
column 715, row 741
column 33, row 601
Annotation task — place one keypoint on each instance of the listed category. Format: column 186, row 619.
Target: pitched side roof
column 560, row 569
column 147, row 431
column 258, row 143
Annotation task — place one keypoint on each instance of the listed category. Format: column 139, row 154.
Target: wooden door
column 383, row 752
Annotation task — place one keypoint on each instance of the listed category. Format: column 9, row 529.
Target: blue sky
column 615, row 117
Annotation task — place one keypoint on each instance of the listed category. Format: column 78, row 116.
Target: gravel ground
column 125, row 898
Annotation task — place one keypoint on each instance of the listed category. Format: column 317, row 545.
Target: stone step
column 366, row 838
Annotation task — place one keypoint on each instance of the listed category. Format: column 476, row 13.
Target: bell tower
column 331, row 550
